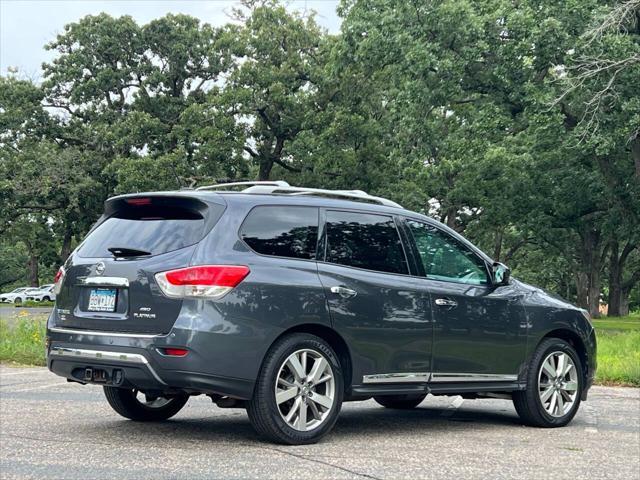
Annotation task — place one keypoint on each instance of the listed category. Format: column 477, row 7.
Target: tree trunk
column 619, row 290
column 266, row 165
column 34, row 281
column 582, row 289
column 615, row 281
column 497, row 245
column 635, row 153
column 591, row 264
column 624, row 301
column 65, row 250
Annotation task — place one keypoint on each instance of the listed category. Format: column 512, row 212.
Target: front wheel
column 138, row 406
column 400, row 402
column 554, row 385
column 299, row 391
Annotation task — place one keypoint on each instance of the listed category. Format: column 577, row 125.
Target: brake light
column 58, row 280
column 138, row 201
column 204, row 281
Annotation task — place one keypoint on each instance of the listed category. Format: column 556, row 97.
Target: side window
column 364, row 241
column 444, row 258
column 282, row 231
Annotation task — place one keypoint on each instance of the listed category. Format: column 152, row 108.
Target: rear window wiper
column 120, row 252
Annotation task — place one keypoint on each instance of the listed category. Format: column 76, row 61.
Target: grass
column 32, row 303
column 618, row 346
column 618, row 350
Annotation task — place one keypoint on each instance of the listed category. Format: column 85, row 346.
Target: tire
column 536, row 405
column 45, row 299
column 17, row 301
column 125, row 402
column 317, row 395
column 400, row 402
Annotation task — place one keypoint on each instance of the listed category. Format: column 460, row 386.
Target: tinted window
column 364, row 241
column 444, row 258
column 282, row 231
column 150, row 230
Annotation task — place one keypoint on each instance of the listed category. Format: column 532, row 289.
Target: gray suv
column 288, row 301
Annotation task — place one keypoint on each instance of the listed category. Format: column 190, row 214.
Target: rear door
column 109, row 281
column 373, row 300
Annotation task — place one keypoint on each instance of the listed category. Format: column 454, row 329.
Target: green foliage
column 515, row 123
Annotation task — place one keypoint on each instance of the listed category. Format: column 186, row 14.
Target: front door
column 374, row 302
column 480, row 331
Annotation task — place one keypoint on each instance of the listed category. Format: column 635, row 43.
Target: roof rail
column 277, row 183
column 357, row 195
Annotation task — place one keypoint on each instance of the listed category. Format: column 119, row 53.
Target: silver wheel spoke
column 567, row 369
column 324, row 379
column 552, row 403
column 570, row 386
column 285, row 383
column 318, row 369
column 548, row 368
column 314, row 410
column 296, row 368
column 302, row 416
column 326, row 402
column 561, row 365
column 285, row 395
column 546, row 394
column 560, row 402
column 294, row 410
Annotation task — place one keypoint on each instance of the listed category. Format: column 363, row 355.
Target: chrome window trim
column 105, row 355
column 101, row 333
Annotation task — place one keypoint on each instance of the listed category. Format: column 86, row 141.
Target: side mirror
column 501, row 274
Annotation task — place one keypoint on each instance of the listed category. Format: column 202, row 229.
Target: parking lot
column 53, row 429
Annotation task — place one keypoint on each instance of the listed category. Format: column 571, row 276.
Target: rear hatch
column 109, row 282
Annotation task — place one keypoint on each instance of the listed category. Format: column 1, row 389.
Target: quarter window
column 282, row 231
column 364, row 241
column 445, row 258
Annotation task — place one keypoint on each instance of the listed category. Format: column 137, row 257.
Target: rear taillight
column 204, row 281
column 58, row 280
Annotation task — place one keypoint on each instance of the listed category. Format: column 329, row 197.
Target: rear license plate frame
column 102, row 300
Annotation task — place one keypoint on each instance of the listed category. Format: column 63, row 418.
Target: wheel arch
column 334, row 339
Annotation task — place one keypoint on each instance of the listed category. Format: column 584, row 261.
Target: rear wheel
column 138, row 406
column 46, row 299
column 299, row 391
column 554, row 385
column 17, row 301
column 400, row 402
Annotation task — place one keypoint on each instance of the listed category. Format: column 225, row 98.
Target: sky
column 27, row 25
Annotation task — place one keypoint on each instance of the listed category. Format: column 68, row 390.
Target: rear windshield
column 148, row 229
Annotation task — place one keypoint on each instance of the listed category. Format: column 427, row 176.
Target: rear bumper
column 136, row 367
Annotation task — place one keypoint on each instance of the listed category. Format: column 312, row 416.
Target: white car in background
column 18, row 295
column 44, row 293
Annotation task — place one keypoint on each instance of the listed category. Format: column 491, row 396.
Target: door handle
column 344, row 292
column 445, row 302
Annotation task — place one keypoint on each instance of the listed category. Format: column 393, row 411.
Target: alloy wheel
column 558, row 383
column 305, row 390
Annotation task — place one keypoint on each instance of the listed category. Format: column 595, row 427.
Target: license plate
column 102, row 300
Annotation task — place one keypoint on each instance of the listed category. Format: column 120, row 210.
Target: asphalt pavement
column 53, row 429
column 10, row 313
